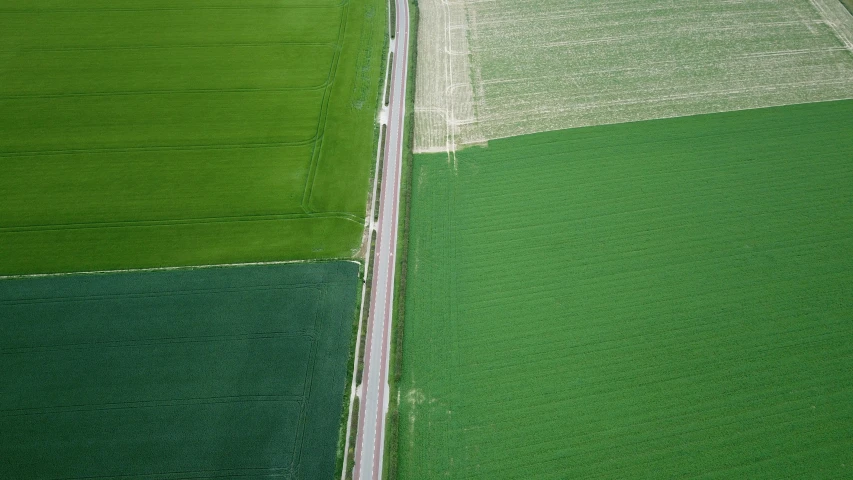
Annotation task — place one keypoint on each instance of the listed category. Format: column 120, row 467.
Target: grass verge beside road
column 390, row 466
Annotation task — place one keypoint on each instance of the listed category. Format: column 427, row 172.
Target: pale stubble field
column 497, row 69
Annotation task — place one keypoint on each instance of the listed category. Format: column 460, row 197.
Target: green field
column 185, row 133
column 213, row 373
column 665, row 299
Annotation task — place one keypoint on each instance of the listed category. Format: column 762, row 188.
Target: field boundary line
column 130, row 93
column 156, row 148
column 279, row 472
column 96, row 407
column 179, row 267
column 155, row 341
column 448, row 80
column 557, row 129
column 183, row 221
column 166, row 45
column 174, row 9
column 165, row 293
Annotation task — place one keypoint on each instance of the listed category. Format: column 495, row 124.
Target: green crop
column 185, row 133
column 664, row 299
column 232, row 372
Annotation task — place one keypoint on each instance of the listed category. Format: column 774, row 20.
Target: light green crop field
column 232, row 372
column 665, row 299
column 185, row 133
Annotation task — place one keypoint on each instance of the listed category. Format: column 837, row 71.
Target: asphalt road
column 374, row 393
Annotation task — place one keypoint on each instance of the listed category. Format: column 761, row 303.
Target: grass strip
column 388, row 77
column 353, row 437
column 339, row 453
column 366, row 309
column 392, row 427
column 381, row 165
column 392, row 17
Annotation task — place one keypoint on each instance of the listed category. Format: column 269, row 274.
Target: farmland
column 185, row 133
column 660, row 299
column 231, row 372
column 495, row 69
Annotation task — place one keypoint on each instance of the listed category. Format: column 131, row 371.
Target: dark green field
column 211, row 373
column 186, row 132
column 665, row 299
